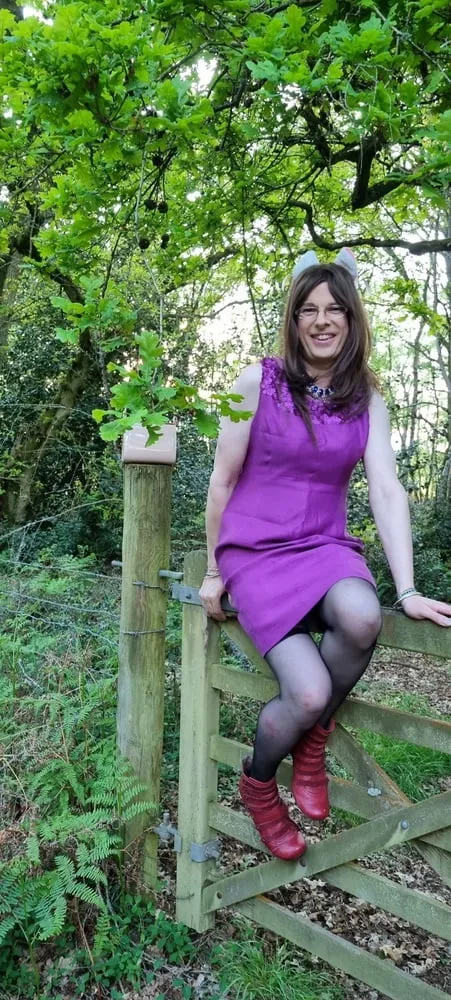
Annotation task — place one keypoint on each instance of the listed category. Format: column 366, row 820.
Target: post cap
column 162, row 452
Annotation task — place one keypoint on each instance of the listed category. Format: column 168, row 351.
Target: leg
column 352, row 616
column 305, row 691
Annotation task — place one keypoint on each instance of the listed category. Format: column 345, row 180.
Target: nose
column 322, row 318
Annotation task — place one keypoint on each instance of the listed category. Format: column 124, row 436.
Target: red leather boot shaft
column 270, row 816
column 310, row 781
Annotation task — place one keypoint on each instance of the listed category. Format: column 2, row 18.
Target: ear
column 308, row 259
column 346, row 259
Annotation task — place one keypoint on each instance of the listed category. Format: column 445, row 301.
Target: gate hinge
column 166, row 831
column 203, row 852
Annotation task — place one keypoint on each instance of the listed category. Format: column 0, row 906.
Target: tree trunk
column 13, row 8
column 30, row 446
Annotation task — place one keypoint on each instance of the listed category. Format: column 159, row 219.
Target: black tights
column 315, row 680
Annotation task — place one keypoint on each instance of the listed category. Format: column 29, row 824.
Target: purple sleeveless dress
column 283, row 541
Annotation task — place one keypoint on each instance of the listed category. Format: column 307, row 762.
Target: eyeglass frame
column 337, row 311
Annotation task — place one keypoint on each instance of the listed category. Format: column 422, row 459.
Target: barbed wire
column 5, row 612
column 112, row 577
column 61, row 569
column 80, row 608
column 63, row 513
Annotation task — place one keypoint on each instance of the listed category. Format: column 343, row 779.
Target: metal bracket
column 190, row 595
column 204, row 852
column 166, row 831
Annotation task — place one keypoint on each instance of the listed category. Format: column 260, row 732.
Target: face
column 323, row 327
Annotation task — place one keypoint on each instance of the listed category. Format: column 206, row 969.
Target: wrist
column 405, row 594
column 212, row 572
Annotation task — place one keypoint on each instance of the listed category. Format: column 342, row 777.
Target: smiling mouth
column 323, row 337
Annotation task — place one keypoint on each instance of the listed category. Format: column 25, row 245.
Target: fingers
column 433, row 616
column 213, row 609
column 440, row 606
column 216, row 613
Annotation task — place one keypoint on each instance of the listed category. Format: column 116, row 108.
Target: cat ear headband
column 309, row 259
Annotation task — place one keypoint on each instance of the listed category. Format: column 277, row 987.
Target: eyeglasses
column 311, row 312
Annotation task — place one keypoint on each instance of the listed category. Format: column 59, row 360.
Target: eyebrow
column 307, row 302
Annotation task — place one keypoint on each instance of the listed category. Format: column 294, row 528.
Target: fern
column 58, row 773
column 77, row 789
column 137, row 809
column 32, row 849
column 6, row 925
column 102, row 935
column 51, row 921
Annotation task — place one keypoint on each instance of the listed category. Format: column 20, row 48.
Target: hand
column 210, row 594
column 420, row 607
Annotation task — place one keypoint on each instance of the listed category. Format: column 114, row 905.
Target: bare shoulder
column 378, row 409
column 250, row 377
column 247, row 385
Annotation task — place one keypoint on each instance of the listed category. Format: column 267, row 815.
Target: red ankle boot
column 309, row 784
column 270, row 816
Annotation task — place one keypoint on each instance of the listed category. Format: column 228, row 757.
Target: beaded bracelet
column 410, row 592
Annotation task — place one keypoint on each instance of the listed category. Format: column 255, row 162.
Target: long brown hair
column 351, row 375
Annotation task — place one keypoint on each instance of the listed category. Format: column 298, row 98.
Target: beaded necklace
column 318, row 392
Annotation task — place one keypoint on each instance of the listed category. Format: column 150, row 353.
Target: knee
column 363, row 628
column 312, row 698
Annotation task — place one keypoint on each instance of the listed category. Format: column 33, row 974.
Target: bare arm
column 388, row 498
column 390, row 507
column 230, row 455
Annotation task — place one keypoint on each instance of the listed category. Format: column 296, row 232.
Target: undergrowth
column 255, row 972
column 72, row 920
column 65, row 792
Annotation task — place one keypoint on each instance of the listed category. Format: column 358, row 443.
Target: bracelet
column 212, row 573
column 409, row 592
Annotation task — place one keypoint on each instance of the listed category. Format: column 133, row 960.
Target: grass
column 253, row 974
column 415, row 769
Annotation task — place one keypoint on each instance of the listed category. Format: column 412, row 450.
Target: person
column 277, row 538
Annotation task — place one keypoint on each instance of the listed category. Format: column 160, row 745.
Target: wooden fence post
column 199, row 721
column 146, row 544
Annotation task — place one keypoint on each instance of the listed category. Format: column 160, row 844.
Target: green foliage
column 252, row 972
column 62, row 862
column 431, row 533
column 125, row 942
column 157, row 160
column 146, row 400
column 415, row 769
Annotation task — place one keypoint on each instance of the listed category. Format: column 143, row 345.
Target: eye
column 336, row 310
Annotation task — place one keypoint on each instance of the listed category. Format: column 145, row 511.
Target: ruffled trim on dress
column 274, row 385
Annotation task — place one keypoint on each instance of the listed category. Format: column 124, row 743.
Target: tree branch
column 13, row 8
column 420, row 247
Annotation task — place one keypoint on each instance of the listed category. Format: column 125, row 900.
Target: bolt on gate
column 390, row 818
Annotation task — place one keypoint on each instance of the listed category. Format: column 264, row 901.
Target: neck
column 323, row 378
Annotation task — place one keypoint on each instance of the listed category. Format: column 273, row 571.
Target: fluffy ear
column 308, row 259
column 346, row 259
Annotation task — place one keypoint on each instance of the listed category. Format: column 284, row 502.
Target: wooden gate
column 391, row 818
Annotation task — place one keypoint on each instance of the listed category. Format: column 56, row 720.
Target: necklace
column 317, row 392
